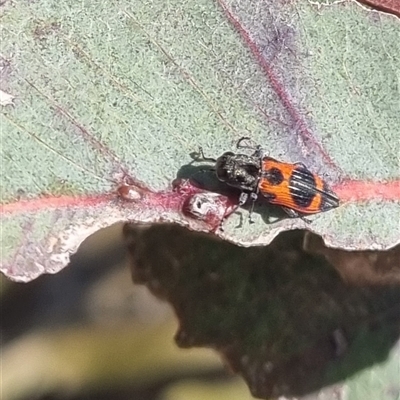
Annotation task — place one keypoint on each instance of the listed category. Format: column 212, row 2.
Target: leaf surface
column 106, row 93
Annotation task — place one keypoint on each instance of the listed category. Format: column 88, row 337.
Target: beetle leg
column 300, row 164
column 244, row 197
column 226, row 216
column 295, row 214
column 292, row 213
column 268, row 196
column 253, row 197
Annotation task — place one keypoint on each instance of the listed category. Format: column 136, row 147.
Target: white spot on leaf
column 6, row 98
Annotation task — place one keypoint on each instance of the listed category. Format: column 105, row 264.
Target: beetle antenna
column 251, row 146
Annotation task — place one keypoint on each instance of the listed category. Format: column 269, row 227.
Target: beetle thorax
column 239, row 170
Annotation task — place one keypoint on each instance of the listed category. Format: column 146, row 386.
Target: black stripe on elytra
column 302, row 186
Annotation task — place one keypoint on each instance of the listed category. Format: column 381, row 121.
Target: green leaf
column 108, row 93
column 283, row 319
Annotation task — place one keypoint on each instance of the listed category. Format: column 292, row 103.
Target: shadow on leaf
column 204, row 178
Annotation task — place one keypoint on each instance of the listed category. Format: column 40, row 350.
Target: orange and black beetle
column 292, row 186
